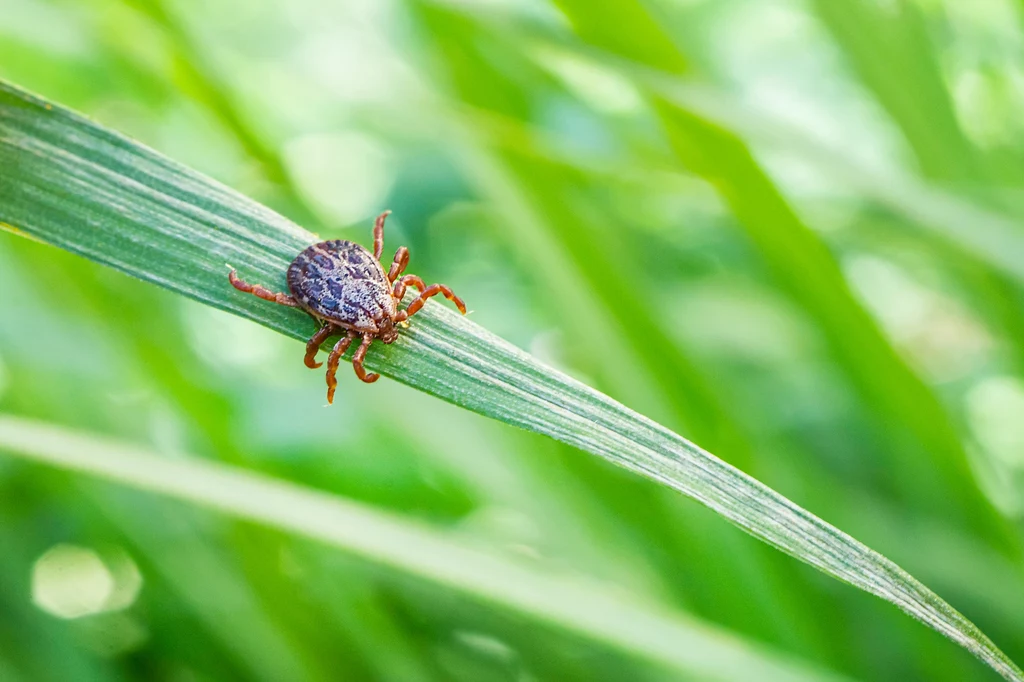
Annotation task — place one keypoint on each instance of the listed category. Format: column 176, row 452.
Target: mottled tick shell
column 340, row 281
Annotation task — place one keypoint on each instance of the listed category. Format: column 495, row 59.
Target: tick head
column 387, row 331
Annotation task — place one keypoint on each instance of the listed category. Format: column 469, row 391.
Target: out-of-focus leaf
column 803, row 266
column 986, row 233
column 889, row 48
column 568, row 601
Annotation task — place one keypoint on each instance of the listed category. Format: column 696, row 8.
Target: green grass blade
column 69, row 182
column 386, row 539
column 890, row 50
column 981, row 231
column 805, row 269
column 987, row 234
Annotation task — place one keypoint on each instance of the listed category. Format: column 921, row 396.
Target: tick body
column 345, row 289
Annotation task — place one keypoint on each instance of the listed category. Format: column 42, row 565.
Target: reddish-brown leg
column 407, row 281
column 398, row 264
column 357, row 360
column 378, row 235
column 432, row 290
column 314, row 343
column 257, row 290
column 332, row 364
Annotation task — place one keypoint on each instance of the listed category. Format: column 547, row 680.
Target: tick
column 345, row 289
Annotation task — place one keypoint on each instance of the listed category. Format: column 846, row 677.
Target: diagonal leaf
column 411, row 548
column 891, row 51
column 985, row 233
column 803, row 267
column 69, row 182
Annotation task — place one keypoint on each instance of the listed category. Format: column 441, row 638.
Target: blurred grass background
column 787, row 230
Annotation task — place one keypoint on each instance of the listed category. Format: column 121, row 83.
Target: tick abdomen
column 340, row 281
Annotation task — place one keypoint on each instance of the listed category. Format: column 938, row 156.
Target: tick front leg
column 264, row 293
column 378, row 235
column 407, row 281
column 332, row 364
column 432, row 290
column 398, row 264
column 314, row 343
column 357, row 360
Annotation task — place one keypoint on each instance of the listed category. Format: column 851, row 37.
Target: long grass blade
column 411, row 548
column 74, row 184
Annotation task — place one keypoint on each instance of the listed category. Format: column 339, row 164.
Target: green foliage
column 604, row 184
column 590, row 609
column 99, row 195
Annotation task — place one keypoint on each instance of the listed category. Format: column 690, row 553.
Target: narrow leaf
column 71, row 183
column 803, row 267
column 579, row 605
column 889, row 47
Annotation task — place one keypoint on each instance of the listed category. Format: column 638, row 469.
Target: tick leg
column 432, row 290
column 399, row 263
column 357, row 360
column 332, row 363
column 378, row 235
column 264, row 293
column 314, row 343
column 407, row 281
